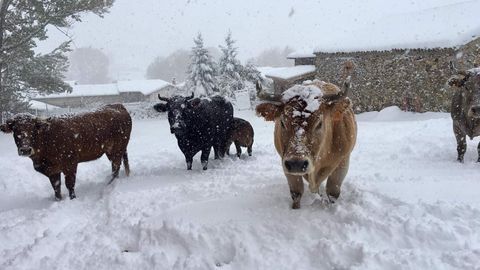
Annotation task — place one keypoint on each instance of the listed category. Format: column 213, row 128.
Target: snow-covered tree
column 201, row 71
column 228, row 64
column 22, row 24
column 229, row 68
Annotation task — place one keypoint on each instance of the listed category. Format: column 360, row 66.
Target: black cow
column 465, row 109
column 199, row 125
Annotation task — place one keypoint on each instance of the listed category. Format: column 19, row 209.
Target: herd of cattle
column 315, row 132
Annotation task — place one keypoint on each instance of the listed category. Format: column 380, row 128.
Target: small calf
column 241, row 135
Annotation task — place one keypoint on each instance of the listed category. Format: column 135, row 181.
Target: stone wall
column 399, row 76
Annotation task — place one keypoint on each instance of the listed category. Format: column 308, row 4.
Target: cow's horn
column 162, row 98
column 346, row 86
column 190, row 97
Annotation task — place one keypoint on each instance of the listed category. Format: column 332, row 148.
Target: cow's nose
column 296, row 165
column 24, row 151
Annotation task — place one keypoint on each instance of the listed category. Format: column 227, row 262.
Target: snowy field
column 406, row 204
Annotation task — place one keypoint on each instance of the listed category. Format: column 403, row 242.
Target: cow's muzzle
column 25, row 151
column 296, row 166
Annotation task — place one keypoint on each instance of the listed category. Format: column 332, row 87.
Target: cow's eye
column 319, row 125
column 282, row 123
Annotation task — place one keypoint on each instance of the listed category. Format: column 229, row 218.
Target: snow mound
column 393, row 113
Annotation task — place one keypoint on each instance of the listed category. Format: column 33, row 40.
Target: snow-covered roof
column 301, row 54
column 145, row 87
column 37, row 105
column 287, row 73
column 449, row 25
column 88, row 90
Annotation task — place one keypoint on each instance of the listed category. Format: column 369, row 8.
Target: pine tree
column 201, row 71
column 228, row 63
column 22, row 24
column 229, row 78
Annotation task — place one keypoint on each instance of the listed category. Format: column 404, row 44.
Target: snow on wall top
column 286, row 73
column 146, row 87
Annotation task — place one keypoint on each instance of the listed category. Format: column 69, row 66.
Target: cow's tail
column 125, row 163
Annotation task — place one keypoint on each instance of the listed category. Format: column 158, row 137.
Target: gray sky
column 136, row 31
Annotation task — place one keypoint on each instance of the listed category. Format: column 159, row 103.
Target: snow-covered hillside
column 406, row 204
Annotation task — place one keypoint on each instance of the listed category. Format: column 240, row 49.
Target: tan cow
column 315, row 132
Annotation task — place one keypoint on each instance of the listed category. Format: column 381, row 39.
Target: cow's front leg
column 204, row 157
column 189, row 160
column 335, row 180
column 56, row 185
column 461, row 142
column 295, row 184
column 70, row 176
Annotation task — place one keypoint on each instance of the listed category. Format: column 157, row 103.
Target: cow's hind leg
column 249, row 149
column 239, row 149
column 56, row 185
column 189, row 160
column 334, row 182
column 296, row 189
column 461, row 142
column 70, row 176
column 204, row 157
column 125, row 163
column 116, row 160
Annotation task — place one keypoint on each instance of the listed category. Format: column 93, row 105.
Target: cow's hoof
column 296, row 205
column 73, row 196
column 204, row 168
column 58, row 198
column 460, row 160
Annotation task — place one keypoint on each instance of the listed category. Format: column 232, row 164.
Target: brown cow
column 241, row 135
column 315, row 132
column 56, row 145
column 465, row 110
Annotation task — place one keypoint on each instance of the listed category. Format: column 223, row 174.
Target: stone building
column 413, row 79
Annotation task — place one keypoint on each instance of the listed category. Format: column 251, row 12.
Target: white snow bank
column 405, row 204
column 394, row 114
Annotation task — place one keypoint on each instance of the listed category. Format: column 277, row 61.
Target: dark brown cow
column 242, row 136
column 56, row 145
column 465, row 110
column 315, row 132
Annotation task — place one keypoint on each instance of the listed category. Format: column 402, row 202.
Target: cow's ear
column 457, row 80
column 7, row 127
column 161, row 107
column 269, row 111
column 194, row 103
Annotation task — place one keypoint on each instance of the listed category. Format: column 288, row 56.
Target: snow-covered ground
column 406, row 204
